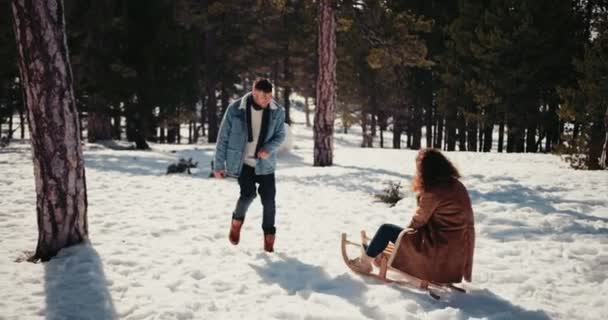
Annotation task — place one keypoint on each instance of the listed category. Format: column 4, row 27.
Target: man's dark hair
column 263, row 85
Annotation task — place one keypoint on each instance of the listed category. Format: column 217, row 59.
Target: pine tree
column 53, row 122
column 586, row 103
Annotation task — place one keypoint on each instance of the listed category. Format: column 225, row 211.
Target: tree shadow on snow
column 76, row 286
column 148, row 163
column 540, row 200
column 376, row 171
column 479, row 304
column 304, row 279
column 290, row 160
column 357, row 179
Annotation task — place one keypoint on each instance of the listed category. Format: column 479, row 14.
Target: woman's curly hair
column 433, row 169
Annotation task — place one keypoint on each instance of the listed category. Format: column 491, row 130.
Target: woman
column 439, row 241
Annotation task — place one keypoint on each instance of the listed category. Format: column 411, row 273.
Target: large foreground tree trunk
column 326, row 86
column 44, row 65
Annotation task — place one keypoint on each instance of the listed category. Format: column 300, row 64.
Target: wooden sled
column 382, row 264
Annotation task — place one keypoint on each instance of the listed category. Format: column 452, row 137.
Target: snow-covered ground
column 160, row 248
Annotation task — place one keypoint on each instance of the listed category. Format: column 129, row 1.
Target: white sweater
column 256, row 126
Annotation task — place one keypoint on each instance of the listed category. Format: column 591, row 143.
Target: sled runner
column 382, row 263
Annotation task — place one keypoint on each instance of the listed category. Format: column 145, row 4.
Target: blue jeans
column 385, row 234
column 267, row 191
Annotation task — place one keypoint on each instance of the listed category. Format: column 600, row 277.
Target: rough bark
column 326, row 86
column 45, row 70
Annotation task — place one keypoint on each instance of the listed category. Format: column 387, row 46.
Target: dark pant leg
column 385, row 234
column 267, row 191
column 247, row 185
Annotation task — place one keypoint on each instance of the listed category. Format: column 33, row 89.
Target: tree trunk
column 162, row 134
column 531, row 128
column 307, row 111
column 450, row 131
column 196, row 64
column 142, row 123
column 22, row 123
column 531, row 145
column 99, row 126
column 462, row 135
column 275, row 78
column 80, row 123
column 287, row 105
column 558, row 136
column 519, row 139
column 287, row 78
column 515, row 133
column 596, row 143
column 212, row 128
column 326, row 86
column 416, row 126
column 408, row 143
column 135, row 126
column 575, row 131
column 212, row 74
column 61, row 194
column 116, row 125
column 397, row 130
column 368, row 141
column 382, row 126
column 397, row 139
column 501, row 135
column 515, row 139
column 130, row 122
column 472, row 135
column 552, row 125
column 373, row 123
column 224, row 100
column 211, row 114
column 480, row 135
column 203, row 116
column 10, row 125
column 177, row 130
column 510, row 140
column 604, row 156
column 488, row 138
column 172, row 134
column 429, row 116
column 439, row 133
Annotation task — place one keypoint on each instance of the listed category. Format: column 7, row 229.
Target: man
column 250, row 135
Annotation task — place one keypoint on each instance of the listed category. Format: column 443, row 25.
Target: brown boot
column 269, row 242
column 235, row 231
